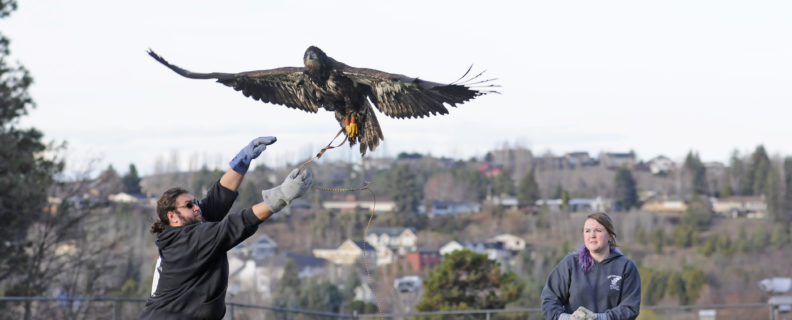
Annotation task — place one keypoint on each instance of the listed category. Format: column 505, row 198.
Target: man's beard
column 191, row 220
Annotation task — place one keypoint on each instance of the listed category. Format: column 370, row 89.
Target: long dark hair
column 167, row 202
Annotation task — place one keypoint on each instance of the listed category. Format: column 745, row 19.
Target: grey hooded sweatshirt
column 613, row 287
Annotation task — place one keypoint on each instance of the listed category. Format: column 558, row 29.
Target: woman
column 597, row 278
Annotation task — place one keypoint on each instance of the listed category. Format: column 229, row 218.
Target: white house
column 364, row 293
column 450, row 247
column 509, row 241
column 740, row 206
column 494, row 251
column 379, row 205
column 402, row 240
column 449, row 208
column 660, row 164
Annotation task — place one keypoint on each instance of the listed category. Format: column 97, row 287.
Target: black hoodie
column 194, row 277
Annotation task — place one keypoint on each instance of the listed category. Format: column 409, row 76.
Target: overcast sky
column 659, row 77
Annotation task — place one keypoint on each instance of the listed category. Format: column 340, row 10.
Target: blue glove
column 241, row 161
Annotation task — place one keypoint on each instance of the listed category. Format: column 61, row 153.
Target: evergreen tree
column 758, row 173
column 779, row 237
column 465, row 281
column 503, row 184
column 742, row 245
column 287, row 295
column 406, row 191
column 528, row 191
column 657, row 238
column 131, row 181
column 683, row 236
column 698, row 173
column 25, row 174
column 625, row 192
column 694, row 279
column 698, row 213
column 675, row 286
column 653, row 285
column 738, row 174
column 774, row 197
column 787, row 182
column 565, row 200
column 759, row 239
column 320, row 296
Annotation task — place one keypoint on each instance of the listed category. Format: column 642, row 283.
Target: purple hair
column 585, row 259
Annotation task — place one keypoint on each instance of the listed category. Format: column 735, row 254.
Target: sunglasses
column 189, row 205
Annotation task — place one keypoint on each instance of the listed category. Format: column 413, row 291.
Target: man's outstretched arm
column 232, row 179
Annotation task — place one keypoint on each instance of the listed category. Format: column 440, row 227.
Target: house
column 661, row 165
column 449, row 208
column 494, row 251
column 613, row 160
column 579, row 159
column 740, row 206
column 349, row 205
column 509, row 241
column 667, row 206
column 424, row 259
column 263, row 247
column 402, row 240
column 258, row 249
column 505, row 202
column 489, row 170
column 597, row 204
column 364, row 293
column 259, row 277
column 348, row 253
column 450, row 247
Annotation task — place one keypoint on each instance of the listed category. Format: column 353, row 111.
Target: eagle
column 348, row 91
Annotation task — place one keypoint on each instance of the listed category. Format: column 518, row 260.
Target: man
column 194, row 236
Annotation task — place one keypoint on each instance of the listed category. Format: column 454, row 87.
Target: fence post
column 488, row 315
column 232, row 311
column 115, row 310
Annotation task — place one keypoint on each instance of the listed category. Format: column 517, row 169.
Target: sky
column 655, row 77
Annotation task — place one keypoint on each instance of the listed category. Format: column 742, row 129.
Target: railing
column 129, row 308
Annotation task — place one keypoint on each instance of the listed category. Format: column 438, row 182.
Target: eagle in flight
column 347, row 91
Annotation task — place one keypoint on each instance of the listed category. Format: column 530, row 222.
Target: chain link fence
column 129, row 308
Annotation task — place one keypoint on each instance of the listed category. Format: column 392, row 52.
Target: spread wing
column 287, row 86
column 399, row 96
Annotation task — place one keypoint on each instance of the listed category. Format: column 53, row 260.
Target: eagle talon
column 351, row 127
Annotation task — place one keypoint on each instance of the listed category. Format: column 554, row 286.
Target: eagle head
column 314, row 58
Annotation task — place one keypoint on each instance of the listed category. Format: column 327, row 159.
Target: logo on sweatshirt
column 614, row 281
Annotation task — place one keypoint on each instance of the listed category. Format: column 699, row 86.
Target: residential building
column 449, row 208
column 349, row 205
column 579, row 159
column 612, row 160
column 661, row 165
column 348, row 253
column 509, row 241
column 740, row 206
column 401, row 240
column 424, row 259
